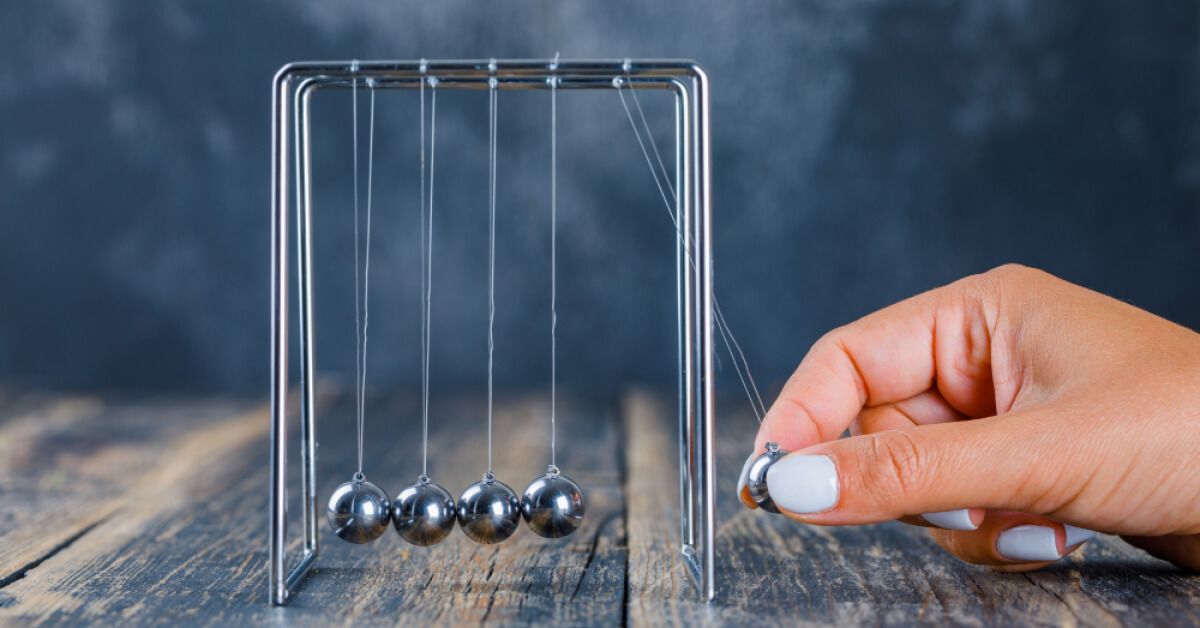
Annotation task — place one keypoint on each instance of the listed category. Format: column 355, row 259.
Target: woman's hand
column 1002, row 406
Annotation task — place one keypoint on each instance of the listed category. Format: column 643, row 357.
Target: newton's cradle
column 488, row 511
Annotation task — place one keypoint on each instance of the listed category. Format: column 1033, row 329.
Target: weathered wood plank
column 155, row 512
column 67, row 463
column 187, row 542
column 773, row 570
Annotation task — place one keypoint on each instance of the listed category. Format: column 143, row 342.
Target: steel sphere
column 553, row 505
column 756, row 477
column 489, row 511
column 358, row 511
column 424, row 513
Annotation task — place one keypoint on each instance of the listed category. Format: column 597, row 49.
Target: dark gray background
column 863, row 151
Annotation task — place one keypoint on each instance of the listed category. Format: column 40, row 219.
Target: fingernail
column 1077, row 535
column 745, row 474
column 803, row 484
column 1028, row 543
column 951, row 519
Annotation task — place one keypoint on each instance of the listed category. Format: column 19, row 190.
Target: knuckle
column 894, row 466
column 1013, row 275
column 829, row 341
column 1011, row 269
column 996, row 284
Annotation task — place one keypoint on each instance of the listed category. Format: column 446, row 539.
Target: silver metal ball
column 424, row 513
column 756, row 477
column 359, row 511
column 489, row 511
column 553, row 505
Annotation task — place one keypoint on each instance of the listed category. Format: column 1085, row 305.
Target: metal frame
column 293, row 87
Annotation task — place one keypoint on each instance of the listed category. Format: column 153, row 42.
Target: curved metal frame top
column 292, row 89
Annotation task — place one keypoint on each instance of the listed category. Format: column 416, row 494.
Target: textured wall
column 864, row 151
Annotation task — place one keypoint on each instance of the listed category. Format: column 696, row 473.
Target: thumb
column 1006, row 462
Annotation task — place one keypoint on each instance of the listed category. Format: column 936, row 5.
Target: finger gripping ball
column 756, row 478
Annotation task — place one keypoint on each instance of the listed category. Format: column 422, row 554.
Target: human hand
column 1004, row 405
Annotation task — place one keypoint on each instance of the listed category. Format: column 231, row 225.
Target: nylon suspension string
column 669, row 197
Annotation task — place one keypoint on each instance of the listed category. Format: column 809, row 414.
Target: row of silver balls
column 424, row 513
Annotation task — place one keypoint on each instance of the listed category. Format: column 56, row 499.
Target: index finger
column 889, row 356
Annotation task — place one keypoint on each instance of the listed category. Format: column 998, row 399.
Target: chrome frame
column 292, row 89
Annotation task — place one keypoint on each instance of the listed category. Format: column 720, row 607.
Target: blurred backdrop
column 863, row 151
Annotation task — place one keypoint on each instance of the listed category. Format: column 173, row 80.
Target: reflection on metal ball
column 358, row 511
column 424, row 513
column 553, row 505
column 489, row 511
column 756, row 478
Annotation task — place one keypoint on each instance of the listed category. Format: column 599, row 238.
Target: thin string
column 749, row 386
column 424, row 292
column 728, row 337
column 425, row 260
column 366, row 311
column 429, row 268
column 357, row 314
column 653, row 145
column 722, row 324
column 553, row 266
column 747, row 380
column 491, row 254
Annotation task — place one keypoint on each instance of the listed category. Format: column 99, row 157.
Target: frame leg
column 694, row 274
column 707, row 422
column 279, row 342
column 282, row 582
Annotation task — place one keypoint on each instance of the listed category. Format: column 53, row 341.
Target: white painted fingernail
column 803, row 484
column 951, row 519
column 1028, row 543
column 745, row 474
column 1077, row 535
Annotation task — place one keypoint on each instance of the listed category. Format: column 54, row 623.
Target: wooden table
column 155, row 511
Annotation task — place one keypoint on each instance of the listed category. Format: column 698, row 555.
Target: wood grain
column 773, row 570
column 184, row 539
column 152, row 511
column 69, row 463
